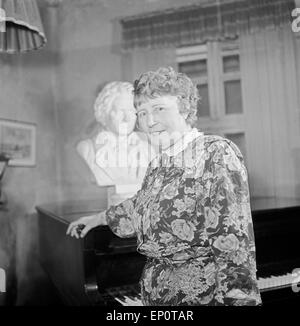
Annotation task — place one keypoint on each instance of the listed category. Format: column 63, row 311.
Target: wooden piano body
column 91, row 271
column 86, row 271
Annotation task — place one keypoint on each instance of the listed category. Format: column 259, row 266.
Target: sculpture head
column 114, row 108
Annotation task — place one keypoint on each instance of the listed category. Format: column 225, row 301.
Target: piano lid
column 69, row 211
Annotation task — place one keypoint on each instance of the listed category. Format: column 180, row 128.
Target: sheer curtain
column 270, row 86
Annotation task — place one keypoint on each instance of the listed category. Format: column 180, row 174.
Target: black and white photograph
column 149, row 155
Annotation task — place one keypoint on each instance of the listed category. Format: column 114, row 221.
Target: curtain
column 199, row 23
column 270, row 87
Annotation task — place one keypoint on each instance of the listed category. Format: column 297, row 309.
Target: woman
column 192, row 216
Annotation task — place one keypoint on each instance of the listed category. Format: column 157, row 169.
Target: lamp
column 21, row 27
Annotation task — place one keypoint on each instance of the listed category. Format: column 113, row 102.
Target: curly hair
column 105, row 98
column 166, row 81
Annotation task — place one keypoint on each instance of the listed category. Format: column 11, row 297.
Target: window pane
column 239, row 140
column 231, row 63
column 203, row 105
column 197, row 68
column 233, row 97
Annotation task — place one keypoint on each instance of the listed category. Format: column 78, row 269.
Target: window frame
column 218, row 122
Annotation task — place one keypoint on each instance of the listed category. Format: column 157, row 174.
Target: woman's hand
column 84, row 224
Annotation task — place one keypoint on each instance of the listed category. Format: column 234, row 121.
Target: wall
column 26, row 94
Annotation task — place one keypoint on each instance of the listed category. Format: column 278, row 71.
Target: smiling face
column 122, row 117
column 161, row 119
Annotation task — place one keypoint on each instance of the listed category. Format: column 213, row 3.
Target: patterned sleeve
column 230, row 229
column 120, row 217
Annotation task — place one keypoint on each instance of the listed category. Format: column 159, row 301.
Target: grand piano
column 102, row 269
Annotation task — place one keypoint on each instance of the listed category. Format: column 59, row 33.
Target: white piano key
column 123, row 303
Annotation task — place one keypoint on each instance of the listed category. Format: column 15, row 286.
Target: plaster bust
column 116, row 155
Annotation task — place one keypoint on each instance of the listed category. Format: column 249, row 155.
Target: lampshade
column 21, row 27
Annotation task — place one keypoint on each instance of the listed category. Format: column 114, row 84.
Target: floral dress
column 192, row 220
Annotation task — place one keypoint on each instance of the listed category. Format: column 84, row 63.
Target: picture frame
column 18, row 142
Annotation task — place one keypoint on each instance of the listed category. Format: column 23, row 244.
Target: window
column 197, row 70
column 231, row 82
column 193, row 62
column 215, row 69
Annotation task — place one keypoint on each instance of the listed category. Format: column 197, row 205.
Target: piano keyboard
column 277, row 282
column 126, row 295
column 129, row 301
column 130, row 295
column 265, row 284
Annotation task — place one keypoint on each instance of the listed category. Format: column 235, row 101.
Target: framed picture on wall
column 18, row 142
